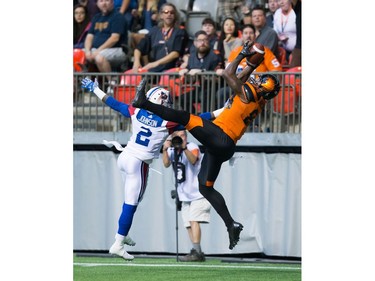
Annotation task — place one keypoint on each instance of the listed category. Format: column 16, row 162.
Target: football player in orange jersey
column 270, row 63
column 221, row 135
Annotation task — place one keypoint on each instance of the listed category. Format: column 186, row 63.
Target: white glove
column 93, row 87
column 89, row 85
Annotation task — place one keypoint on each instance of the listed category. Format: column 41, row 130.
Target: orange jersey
column 234, row 120
column 270, row 62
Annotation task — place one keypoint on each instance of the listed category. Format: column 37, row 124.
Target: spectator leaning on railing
column 201, row 59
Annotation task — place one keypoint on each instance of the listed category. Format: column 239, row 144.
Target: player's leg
column 209, row 171
column 210, row 168
column 135, row 172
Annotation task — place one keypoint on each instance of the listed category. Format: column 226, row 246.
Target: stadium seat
column 174, row 83
column 285, row 101
column 194, row 20
column 294, row 80
column 79, row 60
column 290, row 92
column 126, row 90
column 210, row 6
column 182, row 7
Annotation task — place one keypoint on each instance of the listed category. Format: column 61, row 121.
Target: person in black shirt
column 201, row 59
column 163, row 46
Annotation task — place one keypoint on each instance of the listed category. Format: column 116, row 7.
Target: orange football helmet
column 268, row 86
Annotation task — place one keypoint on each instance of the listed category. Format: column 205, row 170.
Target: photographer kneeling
column 195, row 209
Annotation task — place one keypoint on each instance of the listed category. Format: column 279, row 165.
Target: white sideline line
column 188, row 265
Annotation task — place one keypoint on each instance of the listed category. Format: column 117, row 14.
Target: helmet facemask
column 267, row 86
column 160, row 96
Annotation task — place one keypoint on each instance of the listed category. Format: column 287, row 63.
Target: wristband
column 100, row 94
column 217, row 112
column 184, row 148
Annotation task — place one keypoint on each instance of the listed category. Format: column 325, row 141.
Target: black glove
column 247, row 50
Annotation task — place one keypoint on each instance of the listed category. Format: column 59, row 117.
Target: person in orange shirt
column 221, row 135
column 269, row 64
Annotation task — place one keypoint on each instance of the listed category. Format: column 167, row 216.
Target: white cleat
column 129, row 241
column 120, row 251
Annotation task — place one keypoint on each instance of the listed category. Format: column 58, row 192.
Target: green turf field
column 165, row 269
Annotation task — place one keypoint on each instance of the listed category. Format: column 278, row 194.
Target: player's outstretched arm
column 229, row 73
column 93, row 87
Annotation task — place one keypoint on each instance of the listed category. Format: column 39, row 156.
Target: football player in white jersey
column 149, row 132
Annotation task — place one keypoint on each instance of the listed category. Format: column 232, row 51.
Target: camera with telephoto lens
column 177, row 142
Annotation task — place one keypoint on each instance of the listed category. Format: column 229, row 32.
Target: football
column 258, row 57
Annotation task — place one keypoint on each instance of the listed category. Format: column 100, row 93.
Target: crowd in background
column 148, row 35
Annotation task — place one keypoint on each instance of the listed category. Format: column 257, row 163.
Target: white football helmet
column 159, row 95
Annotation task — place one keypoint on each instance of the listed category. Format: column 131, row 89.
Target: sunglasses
column 168, row 12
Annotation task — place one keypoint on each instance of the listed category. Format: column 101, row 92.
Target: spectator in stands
column 201, row 59
column 230, row 9
column 145, row 18
column 296, row 53
column 285, row 26
column 246, row 18
column 209, row 26
column 229, row 37
column 147, row 14
column 92, row 8
column 269, row 64
column 81, row 25
column 163, row 46
column 127, row 8
column 273, row 5
column 104, row 39
column 265, row 35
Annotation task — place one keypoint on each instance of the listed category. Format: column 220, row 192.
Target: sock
column 126, row 219
column 218, row 202
column 197, row 247
column 119, row 239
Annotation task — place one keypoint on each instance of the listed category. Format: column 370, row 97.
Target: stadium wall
column 261, row 184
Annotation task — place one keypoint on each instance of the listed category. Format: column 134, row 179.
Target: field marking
column 188, row 265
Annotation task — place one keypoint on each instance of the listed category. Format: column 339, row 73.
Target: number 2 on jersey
column 142, row 136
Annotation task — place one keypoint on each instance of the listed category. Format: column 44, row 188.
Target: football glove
column 247, row 50
column 89, row 85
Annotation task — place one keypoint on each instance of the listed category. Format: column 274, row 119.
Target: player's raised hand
column 247, row 50
column 88, row 84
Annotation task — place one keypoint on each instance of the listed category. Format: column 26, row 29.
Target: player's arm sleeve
column 206, row 115
column 123, row 108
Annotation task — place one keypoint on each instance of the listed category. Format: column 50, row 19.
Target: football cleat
column 234, row 234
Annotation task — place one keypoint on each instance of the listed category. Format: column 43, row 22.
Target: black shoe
column 193, row 256
column 140, row 96
column 234, row 234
